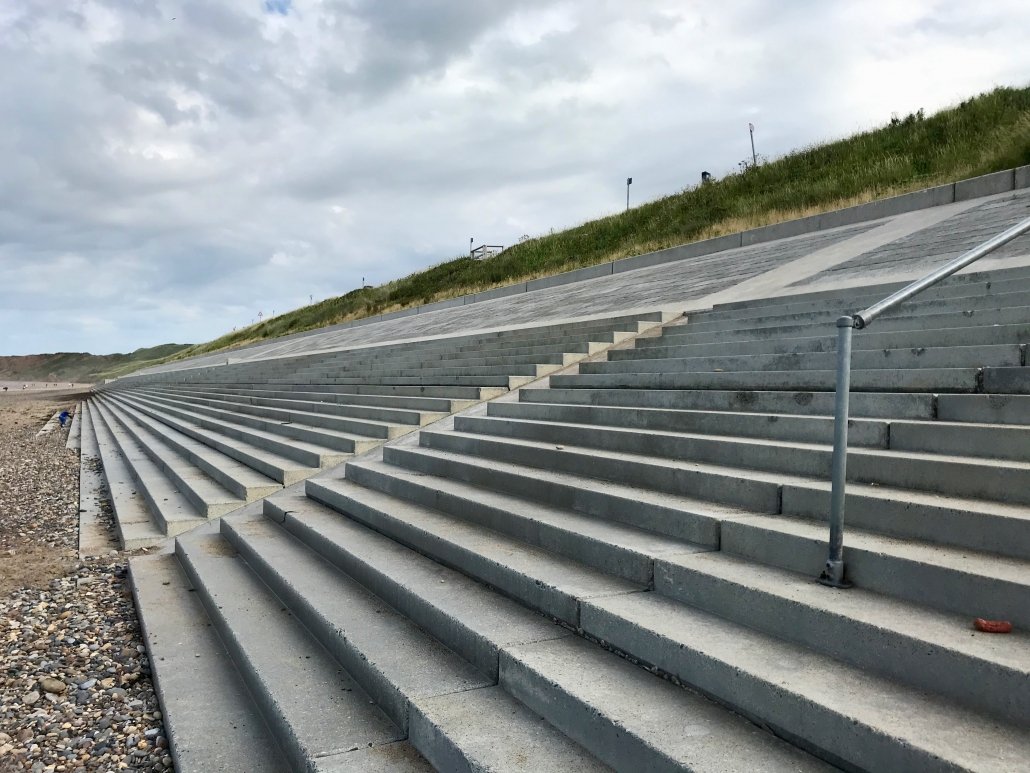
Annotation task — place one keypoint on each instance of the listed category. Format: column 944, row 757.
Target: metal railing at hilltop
column 833, row 572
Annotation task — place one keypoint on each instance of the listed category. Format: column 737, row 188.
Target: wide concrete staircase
column 183, row 447
column 618, row 570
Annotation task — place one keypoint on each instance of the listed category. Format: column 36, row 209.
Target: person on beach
column 63, row 417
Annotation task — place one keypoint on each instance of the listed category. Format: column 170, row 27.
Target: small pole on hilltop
column 471, row 240
column 629, row 182
column 754, row 156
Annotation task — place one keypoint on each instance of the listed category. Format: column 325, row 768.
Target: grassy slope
column 984, row 134
column 82, row 367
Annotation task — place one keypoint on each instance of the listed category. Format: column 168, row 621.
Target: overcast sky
column 168, row 169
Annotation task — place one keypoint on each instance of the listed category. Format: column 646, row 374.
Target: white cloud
column 172, row 168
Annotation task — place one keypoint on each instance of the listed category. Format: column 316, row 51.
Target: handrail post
column 833, row 572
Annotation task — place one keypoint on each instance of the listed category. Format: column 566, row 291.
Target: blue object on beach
column 63, row 417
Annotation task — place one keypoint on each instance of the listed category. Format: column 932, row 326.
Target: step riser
column 937, row 587
column 755, row 495
column 990, row 409
column 404, row 405
column 697, row 528
column 981, row 684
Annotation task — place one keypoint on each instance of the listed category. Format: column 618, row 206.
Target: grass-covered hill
column 984, row 134
column 82, row 367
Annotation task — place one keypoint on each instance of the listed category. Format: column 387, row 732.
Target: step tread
column 899, row 717
column 185, row 655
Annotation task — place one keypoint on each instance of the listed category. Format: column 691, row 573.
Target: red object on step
column 992, row 626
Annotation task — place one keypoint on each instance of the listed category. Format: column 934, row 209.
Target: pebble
column 76, row 674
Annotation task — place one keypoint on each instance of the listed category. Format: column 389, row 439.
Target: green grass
column 988, row 133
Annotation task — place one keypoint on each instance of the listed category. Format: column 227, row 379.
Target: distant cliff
column 80, row 366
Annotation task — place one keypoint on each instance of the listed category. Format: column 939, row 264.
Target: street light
column 754, row 156
column 629, row 182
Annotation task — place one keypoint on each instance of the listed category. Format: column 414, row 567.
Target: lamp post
column 629, row 182
column 754, row 156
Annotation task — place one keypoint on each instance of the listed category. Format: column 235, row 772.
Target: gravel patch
column 75, row 691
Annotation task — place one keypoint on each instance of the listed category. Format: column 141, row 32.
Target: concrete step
column 1010, row 355
column 913, row 308
column 503, row 382
column 279, row 468
column 75, row 431
column 194, row 677
column 442, row 362
column 775, row 426
column 472, row 394
column 971, row 477
column 685, row 334
column 133, row 523
column 243, row 481
column 1007, row 380
column 429, row 405
column 931, row 651
column 378, row 414
column 963, row 380
column 983, row 335
column 593, row 696
column 946, row 578
column 313, row 708
column 685, row 518
column 279, row 423
column 306, row 453
column 855, row 298
column 540, row 579
column 803, row 403
column 987, row 409
column 372, row 428
column 171, row 510
column 991, row 441
column 618, row 549
column 723, row 485
column 207, row 497
column 849, row 715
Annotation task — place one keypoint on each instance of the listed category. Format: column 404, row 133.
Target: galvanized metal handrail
column 833, row 573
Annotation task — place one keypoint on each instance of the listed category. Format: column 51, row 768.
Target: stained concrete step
column 879, row 380
column 279, row 468
column 207, row 496
column 971, row 477
column 984, row 335
column 133, row 523
column 615, row 548
column 306, row 453
column 371, row 428
column 987, row 409
column 930, row 650
column 591, row 695
column 314, row 709
column 849, row 715
column 1011, row 355
column 243, row 481
column 776, row 426
column 171, row 511
column 316, row 436
column 194, row 678
column 540, row 579
column 951, row 579
column 803, row 403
